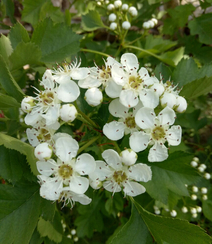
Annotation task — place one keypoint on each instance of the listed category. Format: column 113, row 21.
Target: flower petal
column 32, row 136
column 68, row 92
column 85, row 164
column 46, row 168
column 79, row 73
column 47, row 80
column 140, row 172
column 102, row 171
column 129, row 98
column 112, row 158
column 149, row 98
column 167, row 116
column 52, row 115
column 79, row 184
column 117, row 109
column 114, row 130
column 133, row 188
column 111, row 186
column 158, row 153
column 139, row 141
column 51, row 190
column 81, row 198
column 32, row 118
column 174, row 135
column 143, row 73
column 145, row 117
column 130, row 61
column 118, row 74
column 112, row 89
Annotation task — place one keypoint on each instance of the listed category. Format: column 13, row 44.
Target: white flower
column 27, row 104
column 155, row 132
column 126, row 25
column 67, row 171
column 117, row 175
column 125, row 7
column 98, row 77
column 93, row 96
column 68, row 112
column 117, row 3
column 133, row 11
column 115, row 130
column 110, row 7
column 112, row 17
column 43, row 151
column 113, row 26
column 135, row 83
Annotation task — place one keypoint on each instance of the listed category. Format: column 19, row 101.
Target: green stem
column 116, row 146
column 88, row 144
column 94, row 51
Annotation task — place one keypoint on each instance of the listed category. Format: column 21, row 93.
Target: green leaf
column 90, row 218
column 9, row 4
column 202, row 26
column 197, row 88
column 172, row 231
column 171, row 175
column 22, row 147
column 18, row 34
column 92, row 21
column 55, row 41
column 8, row 83
column 5, row 47
column 207, row 209
column 19, row 212
column 8, row 102
column 162, row 69
column 45, row 228
column 32, row 10
column 185, row 72
column 21, row 57
column 172, row 57
column 134, row 231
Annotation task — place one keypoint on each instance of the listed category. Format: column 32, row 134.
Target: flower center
column 44, row 135
column 130, row 122
column 65, row 171
column 47, row 97
column 106, row 73
column 158, row 133
column 135, row 82
column 119, row 176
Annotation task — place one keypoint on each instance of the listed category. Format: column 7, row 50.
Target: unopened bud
column 125, row 7
column 43, row 151
column 133, row 11
column 128, row 157
column 93, row 96
column 110, row 7
column 126, row 25
column 27, row 104
column 113, row 26
column 68, row 112
column 117, row 4
column 173, row 213
column 184, row 209
column 112, row 17
column 204, row 190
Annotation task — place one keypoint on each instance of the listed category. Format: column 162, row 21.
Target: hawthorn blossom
column 136, row 84
column 156, row 131
column 115, row 130
column 120, row 172
column 67, row 171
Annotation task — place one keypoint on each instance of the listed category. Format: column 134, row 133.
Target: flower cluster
column 140, row 106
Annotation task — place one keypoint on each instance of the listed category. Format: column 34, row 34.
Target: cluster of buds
column 150, row 23
column 201, row 168
column 121, row 13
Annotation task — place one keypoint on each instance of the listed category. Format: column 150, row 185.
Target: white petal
column 139, row 141
column 85, row 164
column 79, row 184
column 111, row 186
column 168, row 99
column 112, row 89
column 102, row 171
column 111, row 61
column 79, row 73
column 143, row 73
column 112, row 158
column 68, row 92
column 114, row 130
column 118, row 74
column 133, row 188
column 47, row 80
column 167, row 116
column 158, row 153
column 46, row 168
column 182, row 104
column 174, row 135
column 32, row 136
column 128, row 157
column 52, row 115
column 140, row 172
column 149, row 98
column 51, row 190
column 129, row 98
column 117, row 109
column 151, row 80
column 130, row 61
column 91, row 80
column 32, row 118
column 145, row 117
column 157, row 87
column 81, row 198
column 66, row 148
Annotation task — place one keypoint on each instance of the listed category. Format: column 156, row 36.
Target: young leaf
column 8, row 83
column 19, row 212
column 24, row 148
column 92, row 21
column 172, row 57
column 55, row 41
column 202, row 26
column 18, row 34
column 5, row 47
column 172, row 231
column 8, row 102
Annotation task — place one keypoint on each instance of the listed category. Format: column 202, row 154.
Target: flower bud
column 151, row 23
column 173, row 213
column 73, row 232
column 27, row 104
column 204, row 190
column 207, row 176
column 181, row 104
column 117, row 3
column 194, row 197
column 204, row 197
column 196, row 159
column 110, row 7
column 128, row 157
column 193, row 210
column 133, row 11
column 43, row 151
column 112, row 17
column 125, row 7
column 76, row 239
column 146, row 25
column 155, row 21
column 157, row 211
column 194, row 164
column 184, row 209
column 68, row 112
column 203, row 166
column 113, row 26
column 194, row 189
column 93, row 96
column 201, row 169
column 194, row 215
column 168, row 99
column 199, row 209
column 126, row 25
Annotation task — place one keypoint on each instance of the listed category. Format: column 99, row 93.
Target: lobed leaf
column 92, row 21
